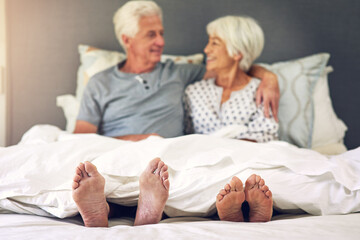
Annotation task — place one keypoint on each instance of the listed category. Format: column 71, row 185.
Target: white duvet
column 36, row 174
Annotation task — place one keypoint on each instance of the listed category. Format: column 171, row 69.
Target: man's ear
column 126, row 40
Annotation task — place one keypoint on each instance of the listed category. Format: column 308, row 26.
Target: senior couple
column 141, row 97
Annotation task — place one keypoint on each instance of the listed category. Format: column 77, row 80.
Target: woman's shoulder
column 255, row 81
column 201, row 85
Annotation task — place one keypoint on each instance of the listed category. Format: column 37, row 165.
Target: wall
column 3, row 109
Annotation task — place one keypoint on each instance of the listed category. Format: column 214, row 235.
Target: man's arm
column 268, row 91
column 136, row 137
column 84, row 127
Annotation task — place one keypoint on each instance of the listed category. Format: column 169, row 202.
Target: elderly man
column 140, row 96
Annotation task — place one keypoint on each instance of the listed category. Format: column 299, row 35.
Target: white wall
column 2, row 75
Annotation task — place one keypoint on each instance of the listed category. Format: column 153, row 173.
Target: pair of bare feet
column 88, row 194
column 229, row 201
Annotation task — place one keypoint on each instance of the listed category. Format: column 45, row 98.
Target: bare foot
column 154, row 192
column 229, row 201
column 259, row 197
column 88, row 194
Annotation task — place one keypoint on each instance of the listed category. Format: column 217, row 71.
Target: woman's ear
column 237, row 57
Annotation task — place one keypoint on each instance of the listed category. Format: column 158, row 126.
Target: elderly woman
column 225, row 106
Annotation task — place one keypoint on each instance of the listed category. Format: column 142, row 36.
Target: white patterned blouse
column 204, row 113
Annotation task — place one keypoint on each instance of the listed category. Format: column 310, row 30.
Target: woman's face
column 217, row 57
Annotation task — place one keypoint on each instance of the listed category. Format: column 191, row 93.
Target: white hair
column 242, row 35
column 126, row 19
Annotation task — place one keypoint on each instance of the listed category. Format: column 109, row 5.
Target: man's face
column 148, row 43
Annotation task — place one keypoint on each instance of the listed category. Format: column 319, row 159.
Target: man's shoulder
column 106, row 77
column 104, row 74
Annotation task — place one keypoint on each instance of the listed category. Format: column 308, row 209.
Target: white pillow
column 297, row 80
column 70, row 105
column 329, row 130
column 94, row 60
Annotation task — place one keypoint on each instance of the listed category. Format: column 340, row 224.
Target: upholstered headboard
column 43, row 37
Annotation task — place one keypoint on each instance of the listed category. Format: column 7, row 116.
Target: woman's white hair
column 126, row 19
column 242, row 35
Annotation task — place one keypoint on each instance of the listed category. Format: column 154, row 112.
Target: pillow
column 70, row 105
column 94, row 60
column 329, row 130
column 297, row 80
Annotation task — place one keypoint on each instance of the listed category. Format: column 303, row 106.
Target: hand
column 249, row 140
column 269, row 93
column 137, row 137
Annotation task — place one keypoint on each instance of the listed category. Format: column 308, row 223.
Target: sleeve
column 191, row 73
column 260, row 128
column 90, row 110
column 188, row 123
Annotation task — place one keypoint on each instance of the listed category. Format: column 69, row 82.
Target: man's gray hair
column 126, row 19
column 242, row 35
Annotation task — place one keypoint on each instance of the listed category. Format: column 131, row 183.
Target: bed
column 37, row 174
column 313, row 173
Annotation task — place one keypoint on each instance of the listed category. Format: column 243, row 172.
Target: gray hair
column 126, row 19
column 242, row 35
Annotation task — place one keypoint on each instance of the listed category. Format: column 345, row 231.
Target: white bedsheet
column 16, row 226
column 36, row 174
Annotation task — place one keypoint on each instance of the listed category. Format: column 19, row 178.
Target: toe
column 250, row 182
column 164, row 176
column 219, row 197
column 166, row 184
column 223, row 192
column 164, row 168
column 75, row 185
column 161, row 164
column 236, row 184
column 81, row 167
column 261, row 183
column 257, row 179
column 227, row 187
column 78, row 172
column 77, row 178
column 268, row 194
column 264, row 188
column 153, row 164
column 90, row 169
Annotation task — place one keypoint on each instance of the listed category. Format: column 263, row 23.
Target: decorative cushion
column 297, row 80
column 329, row 130
column 92, row 61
